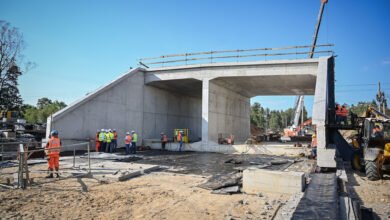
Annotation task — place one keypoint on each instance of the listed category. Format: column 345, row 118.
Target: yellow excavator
column 372, row 144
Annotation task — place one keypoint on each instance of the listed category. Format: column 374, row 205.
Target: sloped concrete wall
column 127, row 104
column 117, row 105
column 229, row 113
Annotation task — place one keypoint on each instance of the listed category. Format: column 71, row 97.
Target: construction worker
column 344, row 114
column 97, row 141
column 134, row 140
column 114, row 140
column 180, row 139
column 338, row 114
column 102, row 140
column 53, row 148
column 108, row 141
column 164, row 140
column 314, row 146
column 377, row 132
column 111, row 134
column 128, row 142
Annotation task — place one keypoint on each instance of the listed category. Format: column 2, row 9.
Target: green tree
column 39, row 114
column 11, row 44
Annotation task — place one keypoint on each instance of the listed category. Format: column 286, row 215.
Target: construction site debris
column 108, row 156
column 227, row 190
column 222, row 180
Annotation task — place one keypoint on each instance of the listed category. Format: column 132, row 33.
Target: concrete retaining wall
column 259, row 180
column 228, row 113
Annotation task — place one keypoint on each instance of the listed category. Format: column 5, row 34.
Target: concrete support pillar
column 205, row 111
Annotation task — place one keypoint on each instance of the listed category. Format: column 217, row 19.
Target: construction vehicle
column 185, row 133
column 371, row 148
column 225, row 139
column 301, row 133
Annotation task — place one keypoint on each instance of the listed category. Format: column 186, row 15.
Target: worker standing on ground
column 180, row 139
column 114, row 140
column 128, row 142
column 102, row 140
column 108, row 141
column 314, row 146
column 344, row 114
column 111, row 134
column 134, row 140
column 53, row 148
column 164, row 140
column 97, row 141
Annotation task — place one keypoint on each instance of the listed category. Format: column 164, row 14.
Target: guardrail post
column 2, row 152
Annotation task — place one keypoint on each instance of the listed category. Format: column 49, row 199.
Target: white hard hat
column 133, row 131
column 127, row 132
column 102, row 130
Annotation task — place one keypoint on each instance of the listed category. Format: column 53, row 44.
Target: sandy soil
column 158, row 195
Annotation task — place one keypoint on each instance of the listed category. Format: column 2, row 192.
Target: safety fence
column 240, row 55
column 22, row 154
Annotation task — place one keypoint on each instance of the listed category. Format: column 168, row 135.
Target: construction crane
column 300, row 99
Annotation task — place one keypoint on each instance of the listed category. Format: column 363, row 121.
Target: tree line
column 275, row 120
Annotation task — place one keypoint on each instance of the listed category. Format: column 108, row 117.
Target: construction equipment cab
column 374, row 144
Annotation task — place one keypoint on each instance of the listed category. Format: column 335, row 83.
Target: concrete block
column 326, row 158
column 259, row 180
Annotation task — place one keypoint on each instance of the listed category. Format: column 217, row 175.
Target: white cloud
column 386, row 61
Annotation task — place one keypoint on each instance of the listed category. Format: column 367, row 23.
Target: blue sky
column 81, row 45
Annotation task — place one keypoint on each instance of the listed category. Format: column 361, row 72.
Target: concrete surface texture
column 209, row 99
column 259, row 180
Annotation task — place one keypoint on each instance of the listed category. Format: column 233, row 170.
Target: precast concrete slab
column 260, row 180
column 208, row 99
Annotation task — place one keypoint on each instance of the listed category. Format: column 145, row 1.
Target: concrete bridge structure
column 208, row 99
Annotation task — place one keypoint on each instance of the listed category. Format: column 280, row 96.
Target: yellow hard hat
column 314, row 135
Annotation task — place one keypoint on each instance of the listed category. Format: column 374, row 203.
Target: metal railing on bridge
column 291, row 52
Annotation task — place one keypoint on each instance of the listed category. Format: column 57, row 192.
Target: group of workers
column 341, row 114
column 106, row 140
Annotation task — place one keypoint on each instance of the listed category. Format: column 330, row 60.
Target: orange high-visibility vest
column 115, row 135
column 165, row 138
column 128, row 139
column 344, row 111
column 314, row 142
column 179, row 137
column 338, row 111
column 54, row 142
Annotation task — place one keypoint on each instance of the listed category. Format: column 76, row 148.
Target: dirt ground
column 371, row 194
column 159, row 195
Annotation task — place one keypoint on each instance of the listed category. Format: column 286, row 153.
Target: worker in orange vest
column 338, row 114
column 344, row 114
column 164, row 140
column 180, row 139
column 97, row 142
column 128, row 139
column 53, row 148
column 314, row 146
